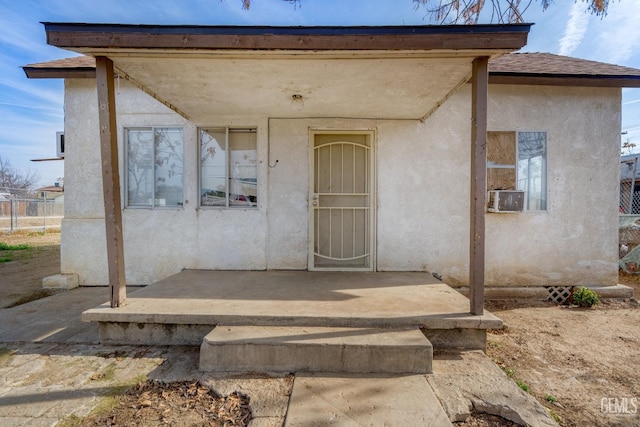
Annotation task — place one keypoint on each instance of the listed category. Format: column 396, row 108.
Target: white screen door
column 341, row 202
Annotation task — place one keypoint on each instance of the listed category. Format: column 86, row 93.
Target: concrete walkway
column 52, row 368
column 358, row 400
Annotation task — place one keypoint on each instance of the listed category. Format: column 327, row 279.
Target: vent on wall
column 60, row 144
column 505, row 201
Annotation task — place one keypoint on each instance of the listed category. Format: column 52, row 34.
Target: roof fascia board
column 292, row 30
column 429, row 37
column 60, row 73
column 564, row 80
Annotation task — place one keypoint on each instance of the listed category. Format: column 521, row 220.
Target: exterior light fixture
column 297, row 101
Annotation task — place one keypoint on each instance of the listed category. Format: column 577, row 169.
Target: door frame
column 370, row 133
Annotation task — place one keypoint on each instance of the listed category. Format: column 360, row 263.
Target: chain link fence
column 30, row 214
column 629, row 185
column 629, row 219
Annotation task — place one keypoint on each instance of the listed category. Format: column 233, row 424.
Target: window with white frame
column 518, row 161
column 154, row 163
column 532, row 169
column 228, row 167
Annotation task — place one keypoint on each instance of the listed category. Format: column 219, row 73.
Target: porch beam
column 111, row 179
column 149, row 92
column 479, row 95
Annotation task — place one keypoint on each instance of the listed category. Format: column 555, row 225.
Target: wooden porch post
column 111, row 179
column 479, row 95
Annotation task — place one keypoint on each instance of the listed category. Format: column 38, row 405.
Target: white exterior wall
column 576, row 240
column 422, row 193
column 83, row 244
column 158, row 242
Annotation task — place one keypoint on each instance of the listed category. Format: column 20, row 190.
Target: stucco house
column 50, row 192
column 354, row 149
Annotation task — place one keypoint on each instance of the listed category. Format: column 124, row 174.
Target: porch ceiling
column 203, row 88
column 205, row 72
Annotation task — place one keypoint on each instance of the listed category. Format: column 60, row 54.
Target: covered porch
column 183, row 308
column 398, row 73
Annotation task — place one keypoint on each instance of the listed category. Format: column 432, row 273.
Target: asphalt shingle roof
column 548, row 63
column 74, row 62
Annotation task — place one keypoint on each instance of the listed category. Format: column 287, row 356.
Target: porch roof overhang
column 394, row 72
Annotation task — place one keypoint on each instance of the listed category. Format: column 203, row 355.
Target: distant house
column 50, row 192
column 340, row 148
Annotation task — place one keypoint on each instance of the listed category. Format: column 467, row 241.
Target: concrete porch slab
column 202, row 299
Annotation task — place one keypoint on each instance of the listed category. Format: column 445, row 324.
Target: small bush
column 509, row 371
column 550, row 398
column 524, row 386
column 585, row 297
column 556, row 417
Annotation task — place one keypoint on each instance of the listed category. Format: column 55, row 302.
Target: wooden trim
column 59, row 73
column 175, row 41
column 479, row 96
column 113, row 37
column 565, row 80
column 316, row 30
column 111, row 179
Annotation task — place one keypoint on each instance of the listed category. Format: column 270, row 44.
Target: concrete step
column 315, row 349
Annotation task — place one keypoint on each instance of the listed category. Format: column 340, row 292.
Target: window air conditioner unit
column 60, row 144
column 503, row 201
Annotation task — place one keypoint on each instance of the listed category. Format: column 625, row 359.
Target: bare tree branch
column 468, row 11
column 14, row 181
column 502, row 11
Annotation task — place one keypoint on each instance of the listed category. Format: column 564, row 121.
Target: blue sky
column 31, row 111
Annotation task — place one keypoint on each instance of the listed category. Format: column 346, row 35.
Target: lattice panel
column 559, row 294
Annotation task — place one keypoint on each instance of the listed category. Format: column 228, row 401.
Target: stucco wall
column 158, row 242
column 422, row 193
column 83, row 247
column 575, row 241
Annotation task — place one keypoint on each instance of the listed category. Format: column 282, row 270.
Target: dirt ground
column 582, row 364
column 22, row 271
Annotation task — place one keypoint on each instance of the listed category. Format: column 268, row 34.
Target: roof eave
column 59, row 73
column 564, row 80
column 85, row 37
